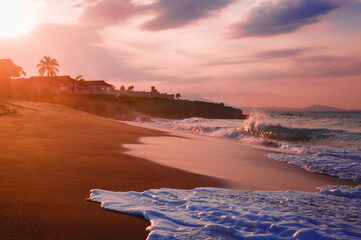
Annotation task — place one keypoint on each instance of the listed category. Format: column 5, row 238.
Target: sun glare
column 15, row 17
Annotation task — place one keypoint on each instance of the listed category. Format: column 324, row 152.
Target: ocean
column 324, row 142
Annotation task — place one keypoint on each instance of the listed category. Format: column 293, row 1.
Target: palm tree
column 130, row 88
column 49, row 65
column 79, row 78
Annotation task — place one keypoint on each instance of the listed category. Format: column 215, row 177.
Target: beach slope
column 52, row 155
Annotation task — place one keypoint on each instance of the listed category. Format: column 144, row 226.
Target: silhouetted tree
column 79, row 78
column 178, row 96
column 9, row 70
column 49, row 65
column 153, row 90
column 122, row 88
column 130, row 88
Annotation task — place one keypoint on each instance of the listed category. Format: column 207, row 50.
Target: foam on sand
column 341, row 163
column 214, row 213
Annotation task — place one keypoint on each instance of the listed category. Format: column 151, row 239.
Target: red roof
column 65, row 78
column 96, row 83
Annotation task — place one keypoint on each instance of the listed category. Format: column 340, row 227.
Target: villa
column 93, row 87
column 66, row 84
column 53, row 84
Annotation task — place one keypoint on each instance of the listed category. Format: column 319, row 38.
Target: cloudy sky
column 244, row 52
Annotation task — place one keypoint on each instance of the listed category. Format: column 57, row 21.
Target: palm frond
column 47, row 58
column 41, row 71
column 79, row 77
column 54, row 62
column 48, row 64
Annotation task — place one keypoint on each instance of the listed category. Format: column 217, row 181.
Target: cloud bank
column 173, row 14
column 110, row 12
column 168, row 14
column 284, row 16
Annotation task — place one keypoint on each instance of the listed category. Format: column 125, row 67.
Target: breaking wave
column 318, row 142
column 266, row 133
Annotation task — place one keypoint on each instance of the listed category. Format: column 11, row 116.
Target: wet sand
column 242, row 167
column 51, row 156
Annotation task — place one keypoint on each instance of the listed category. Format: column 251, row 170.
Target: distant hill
column 313, row 108
column 322, row 108
column 196, row 97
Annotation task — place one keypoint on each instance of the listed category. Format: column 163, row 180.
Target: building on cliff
column 94, row 87
column 66, row 84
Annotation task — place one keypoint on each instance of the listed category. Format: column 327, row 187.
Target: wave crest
column 257, row 128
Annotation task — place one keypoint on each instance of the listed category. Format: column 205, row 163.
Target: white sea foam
column 341, row 163
column 343, row 191
column 328, row 143
column 213, row 213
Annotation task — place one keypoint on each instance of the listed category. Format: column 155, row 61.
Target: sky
column 254, row 53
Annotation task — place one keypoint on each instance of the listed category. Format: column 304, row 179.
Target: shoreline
column 242, row 167
column 52, row 156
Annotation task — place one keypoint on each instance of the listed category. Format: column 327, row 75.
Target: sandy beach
column 51, row 156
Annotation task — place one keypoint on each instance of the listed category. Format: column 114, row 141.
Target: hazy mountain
column 313, row 108
column 322, row 108
column 195, row 97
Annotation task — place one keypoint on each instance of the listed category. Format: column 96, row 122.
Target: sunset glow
column 221, row 50
column 110, row 108
column 15, row 17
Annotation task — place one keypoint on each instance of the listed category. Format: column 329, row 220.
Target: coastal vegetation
column 79, row 78
column 49, row 65
column 129, row 108
column 8, row 69
column 122, row 107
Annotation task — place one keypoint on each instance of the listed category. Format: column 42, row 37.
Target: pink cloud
column 174, row 14
column 111, row 12
column 77, row 49
column 273, row 18
column 168, row 13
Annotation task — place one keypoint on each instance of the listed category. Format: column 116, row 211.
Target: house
column 93, row 87
column 66, row 84
column 53, row 84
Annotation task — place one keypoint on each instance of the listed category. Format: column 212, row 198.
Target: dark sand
column 51, row 156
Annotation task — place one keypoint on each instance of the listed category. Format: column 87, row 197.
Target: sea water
column 213, row 213
column 324, row 142
column 328, row 143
